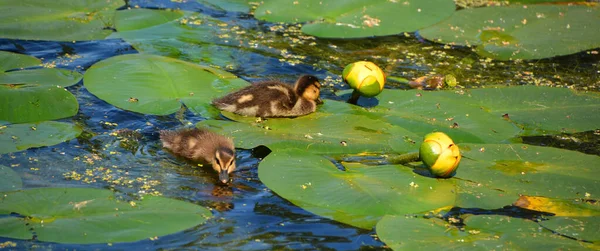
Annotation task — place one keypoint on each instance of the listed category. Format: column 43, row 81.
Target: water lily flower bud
column 439, row 153
column 364, row 77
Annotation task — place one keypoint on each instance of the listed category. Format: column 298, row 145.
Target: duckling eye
column 218, row 162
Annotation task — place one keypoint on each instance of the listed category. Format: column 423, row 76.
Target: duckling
column 274, row 99
column 202, row 145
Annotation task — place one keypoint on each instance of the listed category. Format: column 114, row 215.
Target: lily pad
column 9, row 179
column 358, row 195
column 19, row 137
column 475, row 195
column 478, row 113
column 531, row 170
column 61, row 20
column 86, row 215
column 11, row 60
column 158, row 85
column 37, row 95
column 457, row 114
column 321, row 132
column 560, row 207
column 581, row 228
column 356, row 18
column 519, row 234
column 188, row 36
column 410, row 233
column 229, row 5
column 542, row 110
column 521, row 32
column 481, row 232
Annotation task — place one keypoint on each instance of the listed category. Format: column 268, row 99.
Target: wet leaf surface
column 87, row 215
column 519, row 31
column 61, row 20
column 20, row 137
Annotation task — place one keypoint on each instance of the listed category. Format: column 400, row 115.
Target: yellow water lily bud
column 365, row 77
column 439, row 153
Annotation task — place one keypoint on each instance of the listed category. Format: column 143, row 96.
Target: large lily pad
column 521, row 32
column 158, row 85
column 519, row 234
column 9, row 179
column 581, row 228
column 531, row 170
column 459, row 115
column 478, row 113
column 410, row 233
column 356, row 18
column 11, row 60
column 61, row 20
column 185, row 35
column 19, row 137
column 481, row 232
column 229, row 5
column 85, row 215
column 358, row 195
column 36, row 94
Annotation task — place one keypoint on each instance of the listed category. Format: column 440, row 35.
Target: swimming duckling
column 202, row 145
column 274, row 99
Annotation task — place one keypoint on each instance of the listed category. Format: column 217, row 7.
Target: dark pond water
column 119, row 150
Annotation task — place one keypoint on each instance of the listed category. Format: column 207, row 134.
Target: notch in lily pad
column 366, row 78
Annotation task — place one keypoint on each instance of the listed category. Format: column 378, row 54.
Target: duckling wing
column 265, row 99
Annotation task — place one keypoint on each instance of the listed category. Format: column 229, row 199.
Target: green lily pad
column 478, row 113
column 37, row 95
column 321, row 132
column 542, row 110
column 475, row 195
column 19, row 137
column 229, row 5
column 9, row 179
column 581, row 228
column 61, row 20
column 136, row 19
column 86, row 215
column 531, row 170
column 158, row 85
column 188, row 36
column 457, row 114
column 358, row 195
column 519, row 234
column 11, row 60
column 356, row 18
column 410, row 233
column 519, row 32
column 481, row 232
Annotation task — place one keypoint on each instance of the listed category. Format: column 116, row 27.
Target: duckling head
column 224, row 163
column 309, row 87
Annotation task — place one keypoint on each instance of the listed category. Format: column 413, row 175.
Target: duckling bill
column 274, row 99
column 203, row 146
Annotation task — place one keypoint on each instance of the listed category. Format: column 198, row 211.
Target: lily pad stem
column 404, row 158
column 354, row 98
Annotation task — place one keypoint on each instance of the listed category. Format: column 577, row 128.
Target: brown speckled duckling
column 202, row 145
column 274, row 99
